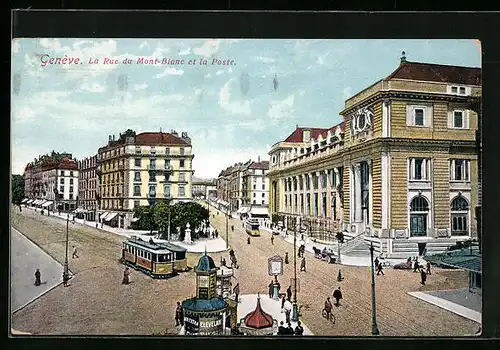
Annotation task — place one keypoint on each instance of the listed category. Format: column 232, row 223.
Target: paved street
column 96, row 303
column 26, row 257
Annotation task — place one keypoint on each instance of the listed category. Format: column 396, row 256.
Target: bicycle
column 324, row 313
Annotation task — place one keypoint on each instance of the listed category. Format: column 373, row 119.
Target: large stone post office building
column 401, row 169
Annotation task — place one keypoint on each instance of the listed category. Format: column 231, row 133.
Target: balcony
column 122, row 166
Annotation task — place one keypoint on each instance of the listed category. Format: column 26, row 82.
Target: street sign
column 292, row 283
column 275, row 265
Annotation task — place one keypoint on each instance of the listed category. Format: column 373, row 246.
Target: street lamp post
column 227, row 232
column 295, row 314
column 168, row 228
column 67, row 243
column 375, row 330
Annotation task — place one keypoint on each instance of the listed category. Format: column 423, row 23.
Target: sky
column 232, row 112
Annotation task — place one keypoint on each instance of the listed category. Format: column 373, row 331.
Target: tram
column 252, row 227
column 158, row 260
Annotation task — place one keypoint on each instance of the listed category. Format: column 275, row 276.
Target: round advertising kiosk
column 205, row 313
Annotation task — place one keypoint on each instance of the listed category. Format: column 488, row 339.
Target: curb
column 46, row 291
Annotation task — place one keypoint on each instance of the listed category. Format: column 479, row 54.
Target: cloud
column 185, row 52
column 233, row 107
column 207, row 75
column 208, row 48
column 263, row 59
column 25, row 115
column 139, row 87
column 144, row 44
column 281, row 109
column 219, row 72
column 347, row 92
column 169, row 71
column 91, row 87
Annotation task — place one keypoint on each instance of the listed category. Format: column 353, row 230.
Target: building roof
column 264, row 165
column 158, row 138
column 68, row 164
column 437, row 73
column 296, row 136
column 258, row 318
column 466, row 259
column 205, row 264
column 204, row 305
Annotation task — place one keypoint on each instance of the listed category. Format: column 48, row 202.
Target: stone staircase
column 403, row 249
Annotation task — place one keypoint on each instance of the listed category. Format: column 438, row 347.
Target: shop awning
column 243, row 210
column 46, row 204
column 29, row 201
column 103, row 216
column 36, row 202
column 259, row 211
column 110, row 217
column 24, row 200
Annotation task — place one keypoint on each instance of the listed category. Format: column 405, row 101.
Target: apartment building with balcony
column 52, row 182
column 400, row 170
column 255, row 189
column 87, row 187
column 141, row 169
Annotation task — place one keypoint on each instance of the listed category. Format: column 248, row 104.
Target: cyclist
column 328, row 307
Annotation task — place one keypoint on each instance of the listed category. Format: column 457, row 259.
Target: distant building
column 52, row 182
column 204, row 189
column 140, row 170
column 88, row 185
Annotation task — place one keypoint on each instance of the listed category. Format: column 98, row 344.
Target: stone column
column 357, row 192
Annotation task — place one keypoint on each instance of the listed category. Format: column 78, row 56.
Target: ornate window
column 459, row 216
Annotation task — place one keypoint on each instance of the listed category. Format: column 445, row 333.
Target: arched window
column 459, row 216
column 419, row 208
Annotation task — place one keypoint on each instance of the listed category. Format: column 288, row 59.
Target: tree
column 17, row 189
column 146, row 218
column 160, row 215
column 187, row 212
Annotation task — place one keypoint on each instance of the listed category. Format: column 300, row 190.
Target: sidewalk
column 448, row 305
column 248, row 302
column 215, row 245
column 344, row 259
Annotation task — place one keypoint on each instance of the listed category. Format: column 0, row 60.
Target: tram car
column 158, row 260
column 252, row 227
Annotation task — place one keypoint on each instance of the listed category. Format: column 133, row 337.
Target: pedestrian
column 289, row 293
column 236, row 292
column 328, row 307
column 289, row 329
column 248, row 240
column 337, row 295
column 423, row 277
column 224, row 262
column 428, row 270
column 126, row 276
column 75, row 255
column 38, row 277
column 376, row 262
column 416, row 266
column 379, row 269
column 272, row 239
column 286, row 258
column 178, row 313
column 96, row 224
column 216, row 234
column 298, row 329
column 232, row 228
column 271, row 289
column 102, row 224
column 288, row 310
column 65, row 279
column 303, row 265
column 281, row 329
column 73, row 220
column 283, row 303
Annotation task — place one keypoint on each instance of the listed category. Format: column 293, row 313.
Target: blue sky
column 74, row 108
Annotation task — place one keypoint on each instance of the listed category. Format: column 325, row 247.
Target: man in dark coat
column 289, row 329
column 38, row 277
column 428, row 270
column 248, row 240
column 272, row 239
column 379, row 269
column 283, row 303
column 178, row 313
column 126, row 274
column 299, row 330
column 271, row 289
column 289, row 293
column 423, row 277
column 376, row 262
column 303, row 265
column 281, row 329
column 286, row 258
column 236, row 291
column 337, row 294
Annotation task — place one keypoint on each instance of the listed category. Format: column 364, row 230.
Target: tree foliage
column 156, row 217
column 340, row 236
column 17, row 189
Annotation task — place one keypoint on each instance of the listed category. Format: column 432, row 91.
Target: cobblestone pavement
column 96, row 303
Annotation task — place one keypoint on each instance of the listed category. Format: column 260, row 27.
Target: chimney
column 258, row 159
column 113, row 137
column 296, row 126
column 403, row 57
column 109, row 137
